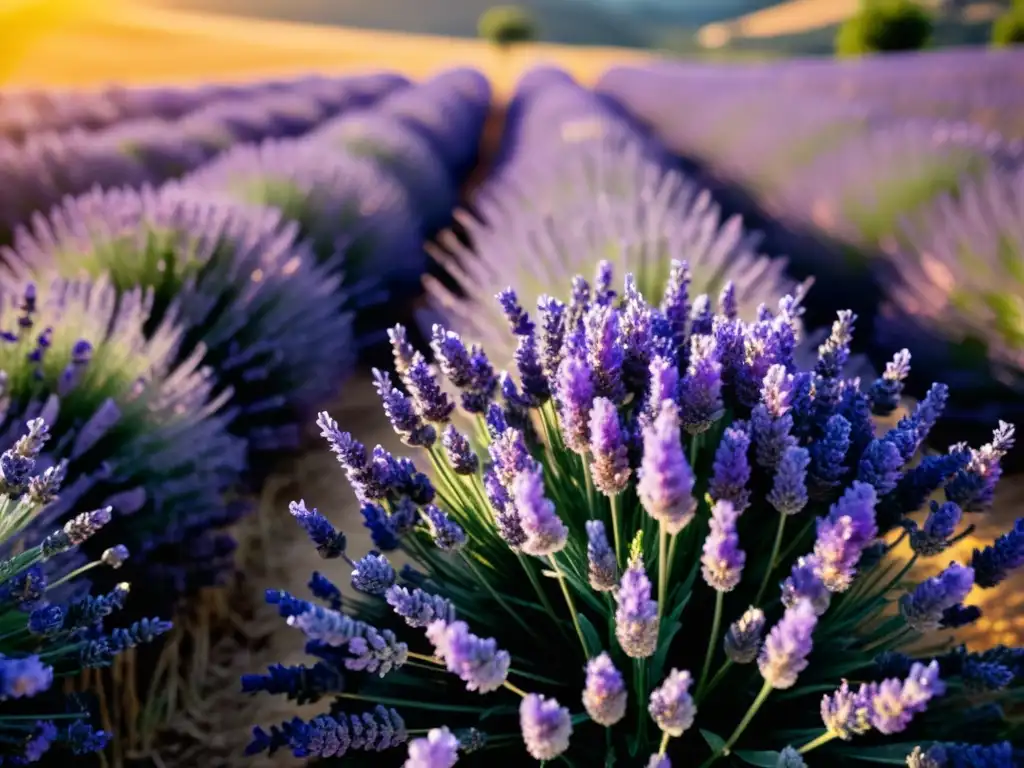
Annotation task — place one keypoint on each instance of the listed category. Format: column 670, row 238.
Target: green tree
column 1009, row 28
column 506, row 25
column 883, row 26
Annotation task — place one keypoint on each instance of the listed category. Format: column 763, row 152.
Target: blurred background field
column 78, row 43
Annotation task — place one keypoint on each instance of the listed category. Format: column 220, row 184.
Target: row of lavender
column 645, row 520
column 917, row 219
column 172, row 338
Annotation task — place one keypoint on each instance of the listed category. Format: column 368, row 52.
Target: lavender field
column 663, row 422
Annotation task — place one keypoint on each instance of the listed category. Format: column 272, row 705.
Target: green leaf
column 763, row 759
column 582, row 717
column 590, row 633
column 716, row 742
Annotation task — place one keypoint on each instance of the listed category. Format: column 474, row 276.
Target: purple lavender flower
column 671, row 705
column 518, row 320
column 604, row 294
column 428, row 398
column 446, row 533
column 605, row 695
column 636, row 337
column 723, row 560
column 510, row 527
column 701, row 316
column 546, row 727
column 886, row 391
column 439, row 749
column 401, row 350
column 531, row 372
column 743, row 638
column 610, row 467
column 880, row 466
column 329, row 542
column 510, row 455
column 659, row 761
column 477, row 662
column 575, row 396
column 552, row 334
column 636, row 618
column 115, row 557
column 828, row 453
column 789, row 488
column 731, row 471
column 460, row 453
column 727, row 301
column 376, row 652
column 845, row 713
column 891, row 705
column 993, row 563
column 373, row 574
column 663, row 384
column 24, row 677
column 784, row 653
column 604, row 352
column 804, row 583
column 923, row 608
column 545, row 533
column 666, row 480
column 675, row 302
column 602, row 569
column 934, row 536
column 401, row 413
column 844, row 534
column 701, row 397
column 419, row 608
column 790, row 758
column 452, row 357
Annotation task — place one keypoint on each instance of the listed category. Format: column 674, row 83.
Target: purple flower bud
column 789, row 489
column 604, row 352
column 886, row 391
column 731, row 471
column 419, row 608
column 666, row 480
column 675, row 302
column 452, row 357
column 880, row 466
column 376, row 652
column 845, row 713
column 477, row 662
column 723, row 559
column 552, row 334
column 116, row 556
column 535, row 383
column 575, row 396
column 603, row 572
column 772, row 436
column 671, row 705
column 701, row 316
column 605, row 695
column 546, row 727
column 940, row 525
column 636, row 619
column 663, row 385
column 428, row 398
column 373, row 574
column 835, row 351
column 743, row 638
column 400, row 412
column 460, row 453
column 790, row 758
column 82, row 527
column 24, row 677
column 510, row 456
column 804, row 583
column 446, row 533
column 844, row 534
column 440, row 749
column 827, row 454
column 545, row 533
column 401, row 349
column 510, row 527
column 329, row 542
column 995, row 562
column 784, row 653
column 604, row 294
column 610, row 467
column 701, row 397
column 517, row 318
column 727, row 301
column 923, row 608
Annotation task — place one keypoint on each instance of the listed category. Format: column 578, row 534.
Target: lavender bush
column 50, row 627
column 246, row 295
column 655, row 499
column 134, row 428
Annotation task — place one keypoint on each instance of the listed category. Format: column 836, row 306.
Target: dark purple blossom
column 428, row 398
column 401, row 413
column 373, row 574
column 575, row 397
column 886, row 391
column 610, row 467
column 731, row 471
column 446, row 533
column 923, row 608
column 602, row 570
column 604, row 352
column 934, row 536
column 701, row 388
column 329, row 542
column 995, row 562
column 460, row 453
column 743, row 638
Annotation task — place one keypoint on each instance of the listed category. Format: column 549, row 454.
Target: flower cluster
column 52, row 626
column 653, row 499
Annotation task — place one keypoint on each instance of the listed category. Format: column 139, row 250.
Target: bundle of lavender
column 662, row 542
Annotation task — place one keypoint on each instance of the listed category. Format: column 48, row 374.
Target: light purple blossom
column 605, row 695
column 666, row 480
column 723, row 560
column 701, row 389
column 610, row 467
column 789, row 488
column 546, row 727
column 844, row 534
column 671, row 705
column 636, row 619
column 545, row 533
column 479, row 663
column 784, row 653
column 575, row 396
column 439, row 749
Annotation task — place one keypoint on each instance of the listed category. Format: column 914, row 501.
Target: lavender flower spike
column 610, row 467
column 784, row 654
column 602, row 569
column 671, row 705
column 636, row 619
column 789, row 489
column 459, row 451
column 546, row 727
column 373, row 574
column 844, row 534
column 329, row 542
column 923, row 608
column 446, row 533
column 666, row 480
column 701, row 400
column 605, row 695
column 439, row 749
column 545, row 532
column 723, row 559
column 575, row 395
column 731, row 470
column 419, row 608
column 743, row 638
column 477, row 662
column 401, row 413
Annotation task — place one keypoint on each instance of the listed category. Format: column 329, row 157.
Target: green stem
column 514, row 689
column 615, row 531
column 772, row 559
column 589, row 482
column 74, row 574
column 497, row 596
column 639, row 671
column 716, row 623
column 662, row 567
column 761, row 697
column 664, row 743
column 411, row 703
column 825, row 738
column 570, row 603
column 719, row 675
column 540, row 592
